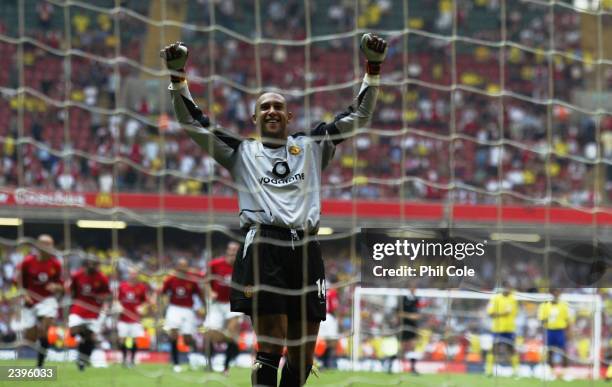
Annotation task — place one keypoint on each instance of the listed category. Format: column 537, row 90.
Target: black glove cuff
column 178, row 78
column 373, row 68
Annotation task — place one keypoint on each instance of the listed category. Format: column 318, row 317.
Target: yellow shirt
column 554, row 315
column 506, row 305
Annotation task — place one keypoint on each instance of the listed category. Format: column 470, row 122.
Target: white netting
column 455, row 327
column 483, row 102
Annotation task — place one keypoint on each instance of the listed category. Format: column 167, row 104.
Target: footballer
column 503, row 309
column 91, row 295
column 221, row 324
column 278, row 274
column 181, row 287
column 556, row 320
column 132, row 296
column 40, row 277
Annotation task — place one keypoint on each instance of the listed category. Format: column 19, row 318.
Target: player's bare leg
column 550, row 358
column 30, row 336
column 564, row 358
column 123, row 347
column 231, row 339
column 299, row 357
column 214, row 337
column 190, row 342
column 174, row 355
column 329, row 356
column 127, row 344
column 42, row 335
column 408, row 347
column 174, row 352
column 491, row 358
column 265, row 368
column 514, row 358
column 506, row 352
column 211, row 338
column 133, row 349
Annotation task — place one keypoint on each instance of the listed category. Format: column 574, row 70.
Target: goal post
column 590, row 301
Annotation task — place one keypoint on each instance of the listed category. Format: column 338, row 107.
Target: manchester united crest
column 295, row 150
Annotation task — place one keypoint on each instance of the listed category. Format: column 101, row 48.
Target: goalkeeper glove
column 375, row 49
column 175, row 56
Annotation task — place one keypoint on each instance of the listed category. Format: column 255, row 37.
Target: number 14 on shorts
column 322, row 288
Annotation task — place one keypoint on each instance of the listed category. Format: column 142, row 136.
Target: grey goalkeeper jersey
column 276, row 186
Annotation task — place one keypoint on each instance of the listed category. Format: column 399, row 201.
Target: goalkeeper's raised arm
column 219, row 143
column 360, row 111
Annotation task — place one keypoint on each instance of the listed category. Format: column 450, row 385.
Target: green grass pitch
column 162, row 375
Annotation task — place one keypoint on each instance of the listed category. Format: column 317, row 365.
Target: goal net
column 454, row 332
column 493, row 114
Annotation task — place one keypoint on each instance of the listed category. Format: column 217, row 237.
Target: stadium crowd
column 446, row 141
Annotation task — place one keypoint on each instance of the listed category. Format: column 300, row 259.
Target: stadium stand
column 426, row 155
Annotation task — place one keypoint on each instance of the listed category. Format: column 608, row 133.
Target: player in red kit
column 222, row 324
column 180, row 317
column 90, row 293
column 40, row 276
column 132, row 296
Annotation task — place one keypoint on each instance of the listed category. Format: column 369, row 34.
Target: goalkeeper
column 279, row 182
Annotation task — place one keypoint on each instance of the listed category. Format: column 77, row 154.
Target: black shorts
column 409, row 331
column 289, row 268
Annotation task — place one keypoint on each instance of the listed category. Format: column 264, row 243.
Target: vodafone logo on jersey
column 43, row 277
column 284, row 181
